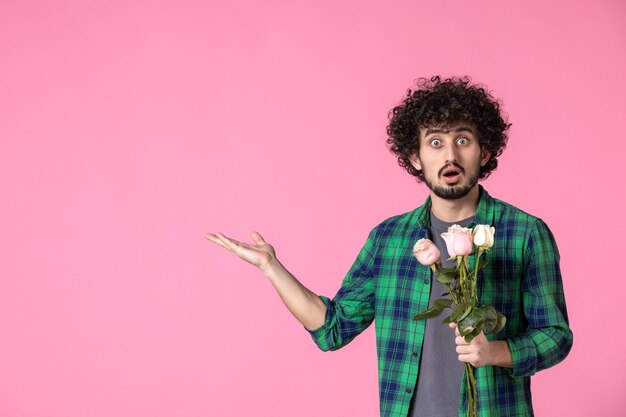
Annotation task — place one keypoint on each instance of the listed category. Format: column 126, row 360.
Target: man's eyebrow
column 431, row 131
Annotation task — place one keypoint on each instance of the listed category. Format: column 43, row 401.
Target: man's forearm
column 305, row 305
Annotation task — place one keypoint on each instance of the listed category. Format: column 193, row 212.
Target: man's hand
column 304, row 304
column 482, row 352
column 260, row 254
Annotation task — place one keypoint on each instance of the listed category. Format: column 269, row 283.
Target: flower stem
column 472, row 406
column 456, row 301
column 475, row 278
column 462, row 275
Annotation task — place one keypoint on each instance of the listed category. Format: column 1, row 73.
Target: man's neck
column 455, row 210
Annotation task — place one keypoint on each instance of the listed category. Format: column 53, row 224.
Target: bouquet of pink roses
column 470, row 317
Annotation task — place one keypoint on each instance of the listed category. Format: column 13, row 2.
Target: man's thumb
column 258, row 239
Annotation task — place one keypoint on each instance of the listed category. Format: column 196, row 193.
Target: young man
column 447, row 133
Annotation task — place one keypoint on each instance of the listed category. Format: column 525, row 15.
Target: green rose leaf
column 491, row 318
column 460, row 312
column 501, row 323
column 447, row 275
column 443, row 303
column 458, row 293
column 473, row 320
column 429, row 313
column 471, row 335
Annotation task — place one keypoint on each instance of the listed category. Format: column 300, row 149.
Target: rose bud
column 483, row 236
column 426, row 252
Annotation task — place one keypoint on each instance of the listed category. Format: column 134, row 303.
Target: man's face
column 450, row 158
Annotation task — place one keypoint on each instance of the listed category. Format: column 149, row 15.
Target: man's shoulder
column 404, row 222
column 523, row 230
column 507, row 210
column 509, row 216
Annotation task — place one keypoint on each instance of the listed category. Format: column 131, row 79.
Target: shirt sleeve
column 548, row 338
column 352, row 309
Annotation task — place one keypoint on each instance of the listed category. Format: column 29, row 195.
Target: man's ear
column 484, row 157
column 415, row 161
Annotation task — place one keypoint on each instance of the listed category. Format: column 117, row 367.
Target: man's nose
column 451, row 153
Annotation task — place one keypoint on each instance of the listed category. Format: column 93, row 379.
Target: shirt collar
column 485, row 211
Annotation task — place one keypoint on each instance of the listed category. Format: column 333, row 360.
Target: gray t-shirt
column 440, row 373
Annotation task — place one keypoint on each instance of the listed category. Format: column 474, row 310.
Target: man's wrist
column 272, row 268
column 501, row 354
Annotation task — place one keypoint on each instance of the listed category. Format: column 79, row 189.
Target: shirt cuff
column 523, row 356
column 329, row 314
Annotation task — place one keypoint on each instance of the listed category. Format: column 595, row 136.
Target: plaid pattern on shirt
column 388, row 285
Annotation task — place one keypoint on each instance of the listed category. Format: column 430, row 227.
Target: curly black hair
column 437, row 102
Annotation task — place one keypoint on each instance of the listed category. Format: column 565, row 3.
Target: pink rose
column 426, row 252
column 458, row 240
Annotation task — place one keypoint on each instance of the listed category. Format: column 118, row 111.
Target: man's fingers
column 233, row 241
column 231, row 244
column 465, row 358
column 227, row 239
column 215, row 239
column 463, row 349
column 223, row 241
column 241, row 249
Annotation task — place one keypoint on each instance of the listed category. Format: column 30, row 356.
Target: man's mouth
column 451, row 174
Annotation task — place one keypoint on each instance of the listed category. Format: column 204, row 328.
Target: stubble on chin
column 452, row 192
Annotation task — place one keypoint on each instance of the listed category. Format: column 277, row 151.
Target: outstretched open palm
column 259, row 254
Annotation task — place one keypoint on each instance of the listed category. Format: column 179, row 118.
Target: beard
column 452, row 192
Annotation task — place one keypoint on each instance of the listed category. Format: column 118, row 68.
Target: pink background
column 129, row 129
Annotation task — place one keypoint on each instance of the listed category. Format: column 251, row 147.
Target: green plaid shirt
column 388, row 285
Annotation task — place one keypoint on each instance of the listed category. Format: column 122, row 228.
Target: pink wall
column 129, row 129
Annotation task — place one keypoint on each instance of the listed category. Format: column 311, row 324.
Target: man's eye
column 462, row 141
column 436, row 143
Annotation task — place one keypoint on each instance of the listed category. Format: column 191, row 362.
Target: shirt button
column 415, row 354
column 426, row 281
column 409, row 390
